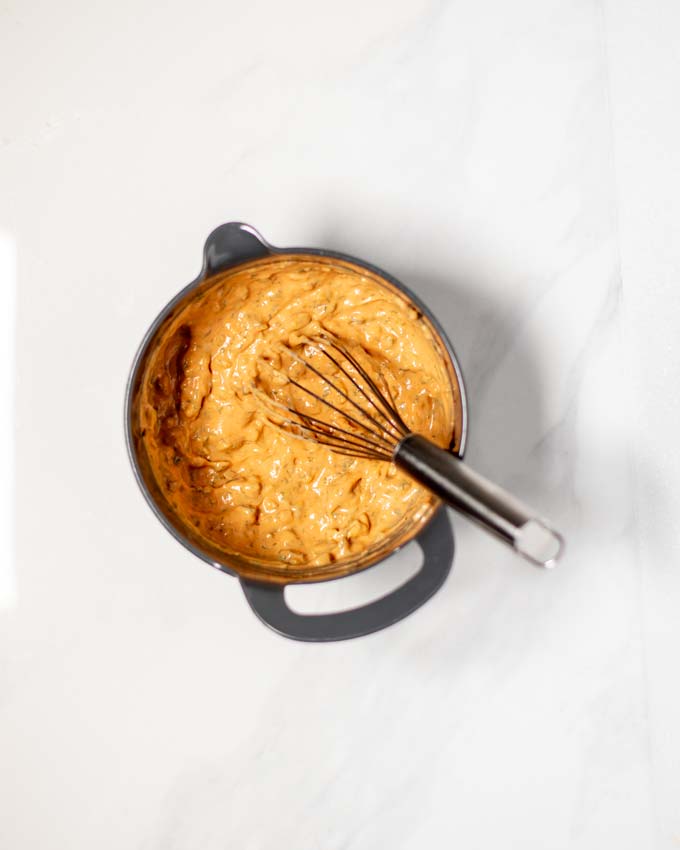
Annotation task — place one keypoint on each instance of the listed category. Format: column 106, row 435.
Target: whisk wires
column 374, row 426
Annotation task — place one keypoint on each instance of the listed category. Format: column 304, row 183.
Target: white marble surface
column 516, row 164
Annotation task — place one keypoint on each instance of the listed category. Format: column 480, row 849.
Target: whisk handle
column 471, row 494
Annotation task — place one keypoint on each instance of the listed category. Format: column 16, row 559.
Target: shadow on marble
column 506, row 417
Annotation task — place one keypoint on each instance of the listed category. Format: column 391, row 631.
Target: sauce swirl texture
column 248, row 486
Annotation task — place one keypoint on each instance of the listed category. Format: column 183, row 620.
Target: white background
column 517, row 165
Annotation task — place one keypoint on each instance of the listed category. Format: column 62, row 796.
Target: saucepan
column 232, row 246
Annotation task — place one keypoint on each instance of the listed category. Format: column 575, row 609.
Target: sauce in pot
column 238, row 479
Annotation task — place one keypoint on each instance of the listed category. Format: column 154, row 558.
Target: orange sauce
column 244, row 483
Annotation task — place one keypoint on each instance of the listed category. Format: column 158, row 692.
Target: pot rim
column 206, row 274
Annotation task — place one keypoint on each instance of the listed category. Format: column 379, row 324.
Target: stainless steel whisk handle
column 488, row 504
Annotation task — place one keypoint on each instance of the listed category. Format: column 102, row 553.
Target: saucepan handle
column 233, row 243
column 436, row 542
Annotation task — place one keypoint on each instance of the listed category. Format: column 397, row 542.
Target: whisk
column 360, row 419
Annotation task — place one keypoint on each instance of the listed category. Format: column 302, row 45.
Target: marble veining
column 484, row 154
